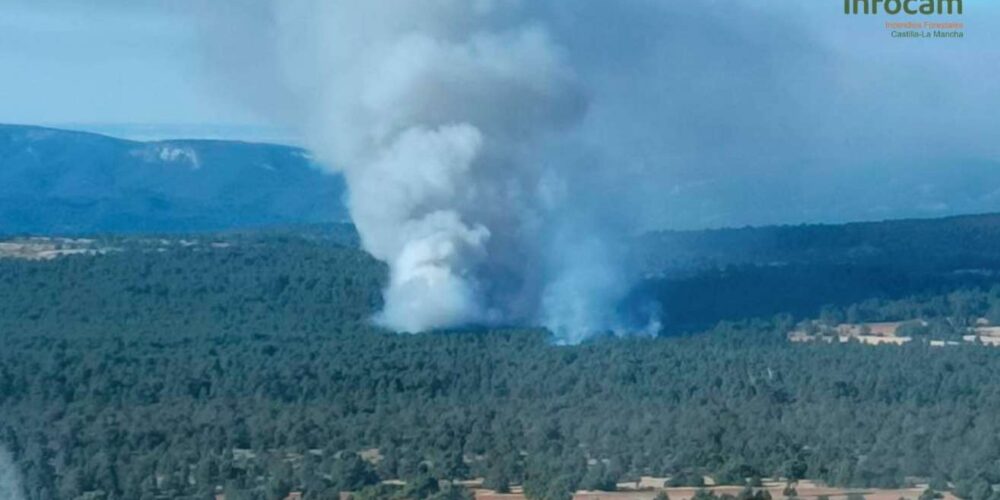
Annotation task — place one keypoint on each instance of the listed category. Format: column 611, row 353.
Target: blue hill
column 58, row 181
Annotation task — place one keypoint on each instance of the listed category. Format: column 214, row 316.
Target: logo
column 908, row 7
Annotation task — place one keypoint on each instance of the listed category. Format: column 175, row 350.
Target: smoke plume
column 10, row 480
column 439, row 114
column 499, row 153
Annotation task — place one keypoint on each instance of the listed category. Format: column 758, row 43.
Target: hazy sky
column 81, row 62
column 731, row 111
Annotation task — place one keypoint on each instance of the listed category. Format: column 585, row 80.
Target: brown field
column 48, row 248
column 885, row 333
column 649, row 487
column 45, row 248
column 883, row 329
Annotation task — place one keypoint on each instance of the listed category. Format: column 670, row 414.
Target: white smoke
column 10, row 479
column 437, row 113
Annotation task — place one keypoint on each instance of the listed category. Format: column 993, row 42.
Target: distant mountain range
column 59, row 182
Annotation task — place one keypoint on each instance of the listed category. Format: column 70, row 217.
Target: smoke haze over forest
column 534, row 135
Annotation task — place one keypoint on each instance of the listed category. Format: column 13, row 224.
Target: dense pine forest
column 244, row 363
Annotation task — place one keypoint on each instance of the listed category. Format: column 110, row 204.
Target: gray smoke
column 499, row 153
column 10, row 479
column 439, row 114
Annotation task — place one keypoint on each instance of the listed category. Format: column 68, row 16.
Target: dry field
column 46, row 248
column 886, row 333
column 649, row 487
column 866, row 333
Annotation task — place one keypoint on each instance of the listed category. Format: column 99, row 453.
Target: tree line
column 252, row 369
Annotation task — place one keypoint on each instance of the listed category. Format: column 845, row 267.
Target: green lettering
column 951, row 6
column 910, row 7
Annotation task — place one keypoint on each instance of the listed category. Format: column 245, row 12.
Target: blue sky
column 108, row 63
column 732, row 111
column 114, row 61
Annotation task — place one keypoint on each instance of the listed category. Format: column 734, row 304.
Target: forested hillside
column 58, row 181
column 245, row 363
column 700, row 277
column 968, row 241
